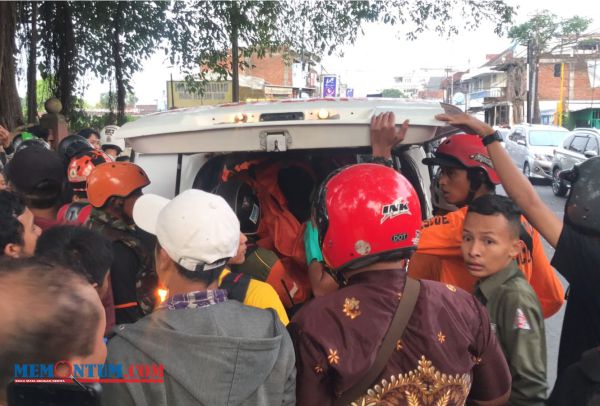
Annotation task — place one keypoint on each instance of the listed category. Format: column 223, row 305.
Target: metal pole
column 562, row 93
column 172, row 94
column 529, row 79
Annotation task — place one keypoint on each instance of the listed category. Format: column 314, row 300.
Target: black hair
column 85, row 251
column 45, row 195
column 53, row 300
column 88, row 132
column 39, row 132
column 207, row 277
column 489, row 205
column 478, row 177
column 11, row 229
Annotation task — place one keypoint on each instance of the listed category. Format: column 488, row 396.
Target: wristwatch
column 488, row 139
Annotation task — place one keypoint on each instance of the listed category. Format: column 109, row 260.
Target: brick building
column 285, row 76
column 498, row 89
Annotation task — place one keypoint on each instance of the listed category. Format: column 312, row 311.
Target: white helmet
column 108, row 139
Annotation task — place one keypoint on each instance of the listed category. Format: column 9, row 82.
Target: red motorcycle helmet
column 82, row 165
column 366, row 213
column 464, row 151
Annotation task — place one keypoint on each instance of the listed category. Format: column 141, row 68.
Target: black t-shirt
column 580, row 382
column 123, row 272
column 577, row 258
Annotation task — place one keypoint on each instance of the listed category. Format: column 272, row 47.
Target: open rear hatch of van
column 279, row 126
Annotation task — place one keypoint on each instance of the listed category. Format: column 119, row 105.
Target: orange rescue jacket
column 441, row 237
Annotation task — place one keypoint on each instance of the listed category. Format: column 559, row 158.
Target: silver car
column 581, row 144
column 531, row 146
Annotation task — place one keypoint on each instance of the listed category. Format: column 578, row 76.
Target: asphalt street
column 554, row 323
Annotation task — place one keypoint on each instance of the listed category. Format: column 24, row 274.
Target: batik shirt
column 448, row 352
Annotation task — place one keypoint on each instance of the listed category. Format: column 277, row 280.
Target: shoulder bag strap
column 397, row 327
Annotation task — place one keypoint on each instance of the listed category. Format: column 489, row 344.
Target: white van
column 188, row 148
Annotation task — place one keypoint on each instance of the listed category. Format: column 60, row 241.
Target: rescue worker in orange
column 466, row 173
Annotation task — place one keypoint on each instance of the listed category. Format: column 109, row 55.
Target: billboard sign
column 329, row 86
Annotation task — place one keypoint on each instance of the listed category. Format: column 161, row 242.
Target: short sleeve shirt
column 577, row 258
column 337, row 337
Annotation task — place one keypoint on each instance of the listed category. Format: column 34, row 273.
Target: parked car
column 188, row 148
column 504, row 133
column 531, row 146
column 581, row 144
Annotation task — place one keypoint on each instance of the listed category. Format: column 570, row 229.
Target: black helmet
column 242, row 199
column 19, row 143
column 583, row 204
column 73, row 145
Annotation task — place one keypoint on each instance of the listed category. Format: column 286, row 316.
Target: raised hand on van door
column 385, row 135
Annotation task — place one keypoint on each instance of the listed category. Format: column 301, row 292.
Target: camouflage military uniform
column 146, row 279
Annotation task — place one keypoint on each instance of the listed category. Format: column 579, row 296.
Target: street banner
column 329, row 86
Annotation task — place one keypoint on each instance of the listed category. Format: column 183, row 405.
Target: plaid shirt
column 194, row 300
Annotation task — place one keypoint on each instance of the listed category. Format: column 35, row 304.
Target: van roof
column 227, row 127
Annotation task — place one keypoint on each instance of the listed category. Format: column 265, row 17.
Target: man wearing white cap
column 215, row 351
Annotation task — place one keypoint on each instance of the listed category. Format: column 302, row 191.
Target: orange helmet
column 82, row 165
column 114, row 179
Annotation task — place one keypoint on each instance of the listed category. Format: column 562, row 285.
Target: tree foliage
column 211, row 39
column 395, row 93
column 202, row 34
column 545, row 26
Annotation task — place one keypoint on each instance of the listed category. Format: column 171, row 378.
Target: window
column 592, row 144
column 546, row 138
column 578, row 144
column 567, row 142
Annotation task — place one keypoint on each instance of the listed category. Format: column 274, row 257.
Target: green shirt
column 516, row 316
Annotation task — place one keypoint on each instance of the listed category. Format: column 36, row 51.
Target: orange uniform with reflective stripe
column 441, row 237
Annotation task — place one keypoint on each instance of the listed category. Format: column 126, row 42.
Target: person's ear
column 12, row 250
column 515, row 248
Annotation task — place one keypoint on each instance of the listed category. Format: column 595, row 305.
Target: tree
column 393, row 93
column 28, row 38
column 537, row 34
column 216, row 35
column 59, row 46
column 107, row 100
column 207, row 35
column 123, row 35
column 11, row 114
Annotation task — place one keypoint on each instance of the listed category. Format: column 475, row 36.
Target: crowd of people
column 246, row 297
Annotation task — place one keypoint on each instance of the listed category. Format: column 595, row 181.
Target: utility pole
column 529, row 79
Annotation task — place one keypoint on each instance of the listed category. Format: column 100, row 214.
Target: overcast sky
column 370, row 64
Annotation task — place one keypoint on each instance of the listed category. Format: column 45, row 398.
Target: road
column 554, row 323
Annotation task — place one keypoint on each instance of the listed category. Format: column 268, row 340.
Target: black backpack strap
column 236, row 284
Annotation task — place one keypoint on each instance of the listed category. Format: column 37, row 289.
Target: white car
column 531, row 146
column 581, row 144
column 188, row 148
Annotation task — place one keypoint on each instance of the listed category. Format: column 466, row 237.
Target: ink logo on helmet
column 398, row 208
column 479, row 157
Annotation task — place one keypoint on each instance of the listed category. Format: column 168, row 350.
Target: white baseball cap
column 198, row 230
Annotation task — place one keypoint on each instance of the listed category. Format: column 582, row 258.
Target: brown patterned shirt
column 448, row 352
